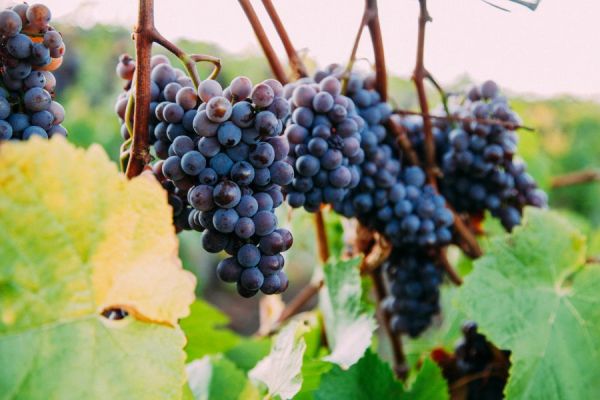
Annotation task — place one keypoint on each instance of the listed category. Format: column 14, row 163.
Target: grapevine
column 429, row 227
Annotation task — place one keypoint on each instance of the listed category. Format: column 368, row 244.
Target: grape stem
column 322, row 242
column 447, row 267
column 352, row 58
column 441, row 91
column 467, row 241
column 303, row 297
column 144, row 35
column 377, row 43
column 267, row 48
column 419, row 74
column 403, row 140
column 576, row 178
column 400, row 365
column 508, row 125
column 295, row 61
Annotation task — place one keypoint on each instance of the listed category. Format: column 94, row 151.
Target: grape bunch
column 222, row 159
column 324, row 143
column 173, row 107
column 479, row 168
column 394, row 201
column 29, row 50
column 240, row 166
column 415, row 290
column 479, row 363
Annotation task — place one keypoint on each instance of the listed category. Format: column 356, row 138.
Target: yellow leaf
column 80, row 238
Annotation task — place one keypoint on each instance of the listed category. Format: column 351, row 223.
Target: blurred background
column 547, row 61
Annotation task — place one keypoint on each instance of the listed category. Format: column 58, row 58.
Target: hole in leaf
column 114, row 314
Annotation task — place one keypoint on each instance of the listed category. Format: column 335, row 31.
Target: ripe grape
column 26, row 96
column 414, row 290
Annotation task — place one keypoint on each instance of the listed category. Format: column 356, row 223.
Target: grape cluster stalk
column 30, row 49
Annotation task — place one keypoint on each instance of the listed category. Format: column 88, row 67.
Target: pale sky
column 554, row 50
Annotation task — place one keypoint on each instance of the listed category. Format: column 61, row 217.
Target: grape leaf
column 280, row 371
column 215, row 377
column 372, row 378
column 349, row 324
column 533, row 294
column 77, row 238
column 429, row 383
column 205, row 331
column 248, row 352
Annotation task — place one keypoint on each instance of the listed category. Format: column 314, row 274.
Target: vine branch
column 400, row 366
column 419, row 74
column 455, row 118
column 294, row 60
column 145, row 34
column 377, row 42
column 576, row 178
column 267, row 48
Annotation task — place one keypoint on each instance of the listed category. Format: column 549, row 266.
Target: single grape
column 218, row 109
column 262, row 95
column 228, row 270
column 227, row 194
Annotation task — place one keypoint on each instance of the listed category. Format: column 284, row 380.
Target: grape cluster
column 393, row 201
column 324, row 137
column 173, row 103
column 240, row 165
column 475, row 355
column 396, row 202
column 415, row 290
column 223, row 162
column 479, row 168
column 29, row 50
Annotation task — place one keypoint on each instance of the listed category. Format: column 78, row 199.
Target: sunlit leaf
column 349, row 323
column 206, row 332
column 280, row 370
column 532, row 293
column 216, row 378
column 76, row 239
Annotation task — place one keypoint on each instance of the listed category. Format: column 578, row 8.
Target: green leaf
column 248, row 352
column 312, row 372
column 429, row 383
column 215, row 377
column 280, row 370
column 370, row 378
column 349, row 323
column 205, row 331
column 532, row 294
column 78, row 238
column 335, row 233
